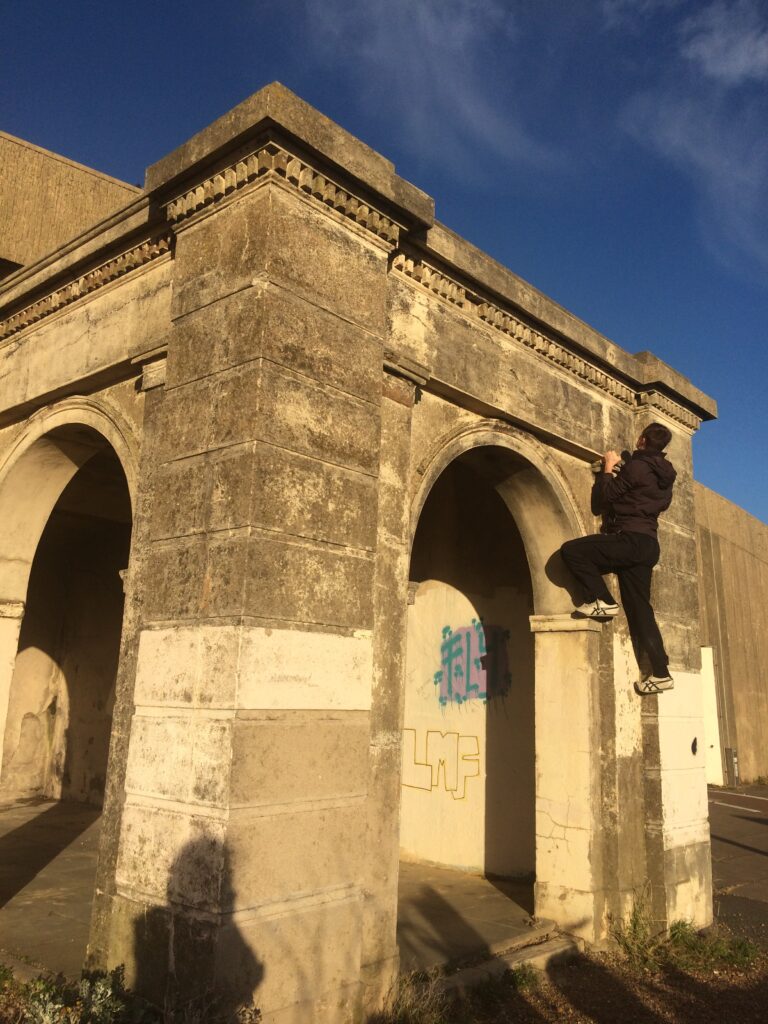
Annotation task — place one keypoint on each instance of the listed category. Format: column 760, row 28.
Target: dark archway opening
column 57, row 735
column 468, row 795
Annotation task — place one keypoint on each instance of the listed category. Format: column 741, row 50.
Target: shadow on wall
column 190, row 958
column 558, row 574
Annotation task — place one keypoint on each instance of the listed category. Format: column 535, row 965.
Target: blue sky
column 612, row 152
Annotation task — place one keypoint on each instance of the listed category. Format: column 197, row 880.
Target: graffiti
column 474, row 664
column 447, row 755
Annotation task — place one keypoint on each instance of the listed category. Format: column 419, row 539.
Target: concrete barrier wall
column 74, row 198
column 732, row 549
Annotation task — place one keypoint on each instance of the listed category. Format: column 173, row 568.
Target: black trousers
column 632, row 557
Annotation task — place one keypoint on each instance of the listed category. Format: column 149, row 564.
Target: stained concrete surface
column 739, row 827
column 445, row 916
column 47, row 871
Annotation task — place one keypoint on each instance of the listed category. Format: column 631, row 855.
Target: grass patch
column 522, row 978
column 690, row 950
column 684, row 947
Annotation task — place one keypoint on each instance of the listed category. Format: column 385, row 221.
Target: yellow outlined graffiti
column 458, row 756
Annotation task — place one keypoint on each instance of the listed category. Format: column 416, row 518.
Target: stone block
column 266, row 321
column 182, row 757
column 237, row 400
column 264, row 233
column 292, row 854
column 181, row 498
column 327, row 586
column 174, row 578
column 675, row 595
column 339, row 269
column 172, row 857
column 226, row 333
column 292, row 669
column 307, row 498
column 188, row 666
column 221, row 254
column 566, row 857
column 310, row 955
column 304, row 417
column 181, row 433
column 303, row 337
column 573, row 910
column 233, row 471
column 281, row 758
column 228, row 564
column 688, row 872
column 249, row 667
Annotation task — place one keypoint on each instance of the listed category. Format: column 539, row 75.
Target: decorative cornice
column 431, row 279
column 555, row 352
column 473, row 305
column 655, row 400
column 89, row 282
column 272, row 161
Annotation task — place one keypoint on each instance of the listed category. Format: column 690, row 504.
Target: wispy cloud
column 707, row 117
column 427, row 63
column 729, row 42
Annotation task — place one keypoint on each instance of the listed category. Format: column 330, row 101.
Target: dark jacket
column 633, row 499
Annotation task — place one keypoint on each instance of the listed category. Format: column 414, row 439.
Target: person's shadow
column 188, row 964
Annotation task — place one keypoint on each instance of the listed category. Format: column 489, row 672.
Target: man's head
column 654, row 438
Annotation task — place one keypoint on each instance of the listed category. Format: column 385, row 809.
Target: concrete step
column 545, row 947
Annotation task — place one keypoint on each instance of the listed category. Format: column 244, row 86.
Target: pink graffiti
column 473, row 663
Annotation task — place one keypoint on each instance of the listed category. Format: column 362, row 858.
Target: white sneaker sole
column 647, row 688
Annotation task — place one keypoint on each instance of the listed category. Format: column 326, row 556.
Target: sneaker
column 654, row 684
column 596, row 610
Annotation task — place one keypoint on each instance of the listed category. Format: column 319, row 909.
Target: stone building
column 262, row 425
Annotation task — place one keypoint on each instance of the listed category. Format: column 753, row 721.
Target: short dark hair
column 657, row 436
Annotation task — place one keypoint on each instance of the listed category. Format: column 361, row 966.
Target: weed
column 635, row 936
column 523, row 978
column 684, row 947
column 417, row 999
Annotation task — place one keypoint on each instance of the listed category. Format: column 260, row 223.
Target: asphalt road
column 738, row 822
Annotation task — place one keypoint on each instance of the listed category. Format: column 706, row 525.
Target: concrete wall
column 290, row 356
column 732, row 551
column 73, row 197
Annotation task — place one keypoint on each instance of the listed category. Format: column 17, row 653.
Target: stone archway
column 53, row 447
column 551, row 691
column 66, row 500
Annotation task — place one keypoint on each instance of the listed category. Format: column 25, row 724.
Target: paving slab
column 447, row 916
column 48, row 853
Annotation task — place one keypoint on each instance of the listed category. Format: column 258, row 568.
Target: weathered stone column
column 135, row 587
column 676, row 809
column 390, row 605
column 569, row 870
column 243, row 839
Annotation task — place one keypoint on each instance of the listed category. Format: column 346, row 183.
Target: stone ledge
column 276, row 105
column 564, row 623
column 643, row 369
